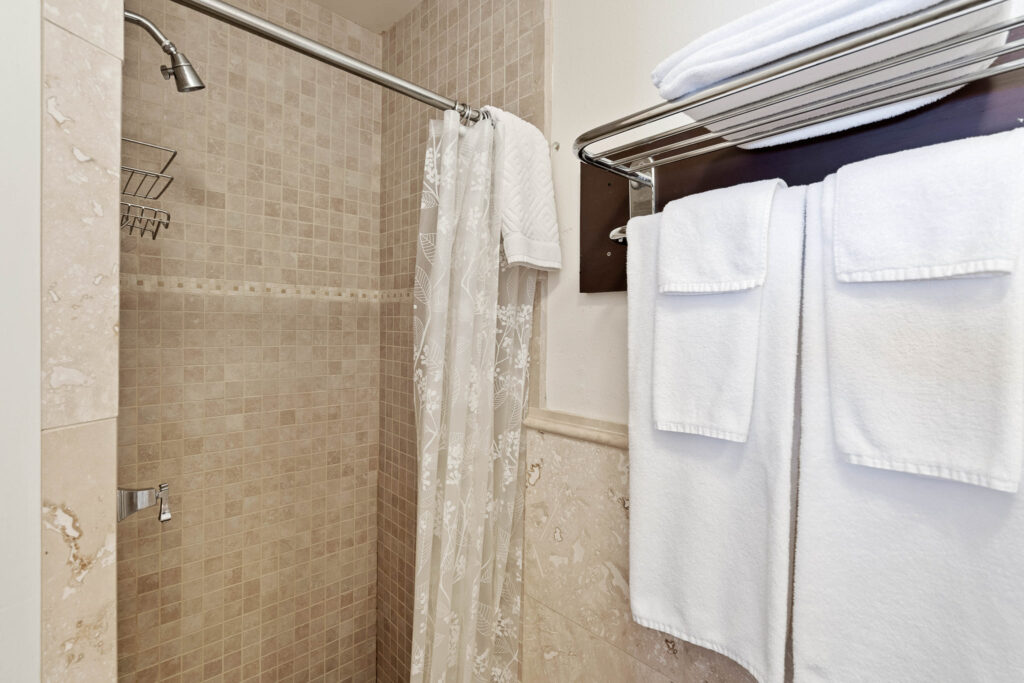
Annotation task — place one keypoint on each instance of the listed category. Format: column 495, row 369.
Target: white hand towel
column 524, row 193
column 897, row 578
column 716, row 241
column 927, row 375
column 710, row 519
column 787, row 27
column 712, row 261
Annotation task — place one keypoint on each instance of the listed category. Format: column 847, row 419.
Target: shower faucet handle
column 130, row 501
column 165, row 502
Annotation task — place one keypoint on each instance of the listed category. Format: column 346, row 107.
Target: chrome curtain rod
column 239, row 18
column 633, row 159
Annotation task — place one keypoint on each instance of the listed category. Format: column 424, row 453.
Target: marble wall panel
column 577, row 568
column 81, row 152
column 79, row 573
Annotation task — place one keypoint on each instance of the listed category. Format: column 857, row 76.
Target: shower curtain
column 472, row 323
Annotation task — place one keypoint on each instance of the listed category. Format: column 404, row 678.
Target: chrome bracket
column 130, row 501
column 641, row 201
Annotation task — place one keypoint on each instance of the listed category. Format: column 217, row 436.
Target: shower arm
column 165, row 44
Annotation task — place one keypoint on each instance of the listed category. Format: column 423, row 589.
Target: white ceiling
column 376, row 15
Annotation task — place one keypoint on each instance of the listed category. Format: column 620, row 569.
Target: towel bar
column 666, row 147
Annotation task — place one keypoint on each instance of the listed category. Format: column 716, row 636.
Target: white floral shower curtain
column 472, row 324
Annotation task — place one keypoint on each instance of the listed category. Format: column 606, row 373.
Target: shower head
column 185, row 76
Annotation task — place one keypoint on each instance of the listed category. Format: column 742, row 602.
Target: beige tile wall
column 489, row 52
column 577, row 621
column 250, row 358
column 79, row 293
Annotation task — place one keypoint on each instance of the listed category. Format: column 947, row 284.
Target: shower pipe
column 239, row 18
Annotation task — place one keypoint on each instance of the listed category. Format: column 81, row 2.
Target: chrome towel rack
column 791, row 104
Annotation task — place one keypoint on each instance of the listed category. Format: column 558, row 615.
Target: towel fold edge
column 979, row 267
column 522, row 250
column 700, row 430
column 938, row 471
column 701, row 642
column 673, row 288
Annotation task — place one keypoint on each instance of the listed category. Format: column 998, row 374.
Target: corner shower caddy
column 140, row 181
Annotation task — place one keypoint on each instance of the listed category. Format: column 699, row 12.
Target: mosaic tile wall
column 489, row 52
column 250, row 358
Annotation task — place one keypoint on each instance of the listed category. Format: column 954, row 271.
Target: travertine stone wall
column 81, row 121
column 577, row 621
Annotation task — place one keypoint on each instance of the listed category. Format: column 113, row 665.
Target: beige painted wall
column 603, row 53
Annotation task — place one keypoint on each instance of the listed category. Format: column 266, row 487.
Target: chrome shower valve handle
column 130, row 501
column 165, row 502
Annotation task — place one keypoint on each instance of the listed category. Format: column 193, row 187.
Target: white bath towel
column 778, row 30
column 898, row 577
column 716, row 241
column 524, row 193
column 927, row 374
column 712, row 262
column 710, row 519
column 784, row 28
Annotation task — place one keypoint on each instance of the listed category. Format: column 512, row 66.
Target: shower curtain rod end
column 467, row 113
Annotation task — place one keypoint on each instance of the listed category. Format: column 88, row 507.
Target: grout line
column 55, row 428
column 65, row 29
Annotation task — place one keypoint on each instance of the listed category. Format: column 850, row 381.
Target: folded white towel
column 773, row 32
column 945, row 210
column 712, row 261
column 784, row 28
column 927, row 375
column 710, row 519
column 897, row 578
column 716, row 241
column 524, row 193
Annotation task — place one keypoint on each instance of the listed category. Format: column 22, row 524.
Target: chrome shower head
column 185, row 76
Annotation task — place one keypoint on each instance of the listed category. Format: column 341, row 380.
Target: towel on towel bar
column 897, row 577
column 712, row 262
column 785, row 28
column 925, row 317
column 709, row 518
column 716, row 241
column 524, row 193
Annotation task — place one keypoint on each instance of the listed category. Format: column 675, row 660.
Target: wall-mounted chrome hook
column 130, row 501
column 641, row 202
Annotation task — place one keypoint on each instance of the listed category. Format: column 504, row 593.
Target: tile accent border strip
column 194, row 285
column 577, row 427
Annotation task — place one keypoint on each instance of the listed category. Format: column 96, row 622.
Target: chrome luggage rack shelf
column 788, row 95
column 142, row 180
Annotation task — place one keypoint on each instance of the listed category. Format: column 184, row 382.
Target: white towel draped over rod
column 791, row 103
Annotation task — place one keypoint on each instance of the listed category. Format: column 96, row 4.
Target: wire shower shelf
column 144, row 219
column 144, row 176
